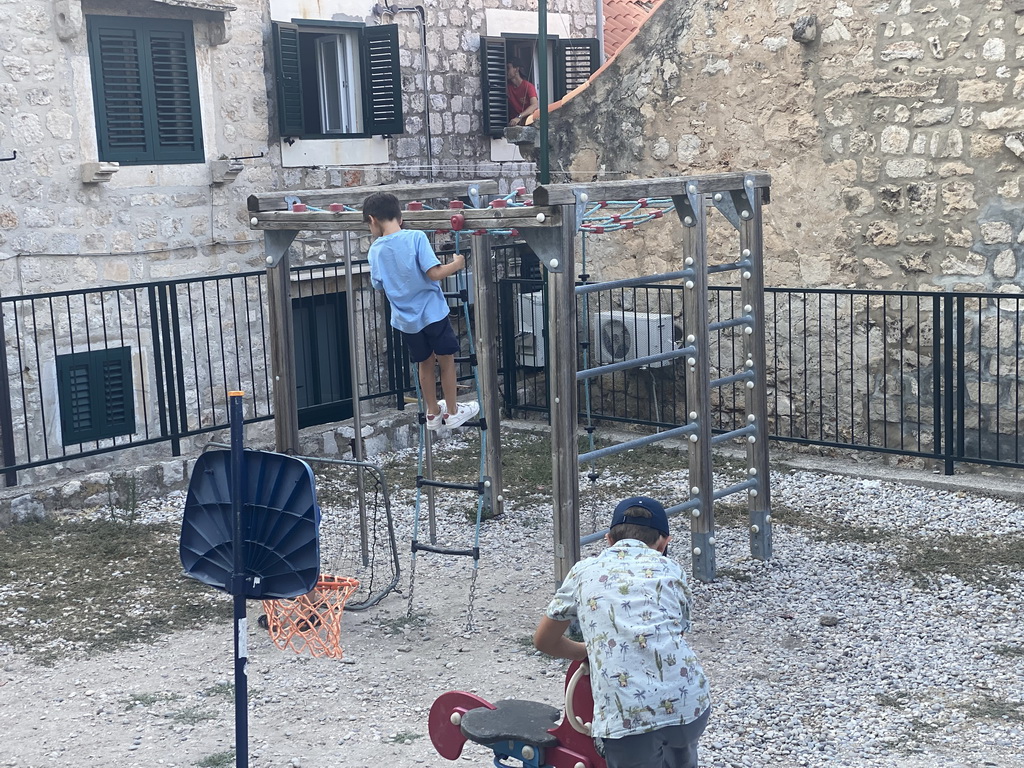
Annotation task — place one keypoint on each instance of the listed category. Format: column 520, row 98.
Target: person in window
column 522, row 96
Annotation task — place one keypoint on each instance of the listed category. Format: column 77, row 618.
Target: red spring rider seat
column 528, row 731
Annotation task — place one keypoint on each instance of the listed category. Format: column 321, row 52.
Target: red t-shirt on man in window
column 522, row 96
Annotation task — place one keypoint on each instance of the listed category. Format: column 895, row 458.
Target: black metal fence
column 90, row 372
column 932, row 375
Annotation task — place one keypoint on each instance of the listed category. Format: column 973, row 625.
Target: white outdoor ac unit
column 455, row 283
column 530, row 339
column 622, row 336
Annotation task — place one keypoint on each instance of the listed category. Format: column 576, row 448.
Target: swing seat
column 512, row 720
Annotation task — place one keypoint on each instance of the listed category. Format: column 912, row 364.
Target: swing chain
column 472, row 597
column 412, row 584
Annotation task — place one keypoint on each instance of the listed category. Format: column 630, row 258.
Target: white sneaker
column 436, row 421
column 464, row 413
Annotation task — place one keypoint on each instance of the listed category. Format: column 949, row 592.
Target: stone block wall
column 893, row 136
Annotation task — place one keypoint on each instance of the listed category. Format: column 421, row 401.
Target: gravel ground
column 873, row 638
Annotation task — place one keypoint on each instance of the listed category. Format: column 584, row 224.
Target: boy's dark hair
column 647, row 535
column 519, row 67
column 383, row 206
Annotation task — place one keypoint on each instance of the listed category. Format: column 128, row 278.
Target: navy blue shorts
column 436, row 339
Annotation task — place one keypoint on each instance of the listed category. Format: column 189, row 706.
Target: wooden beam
column 476, row 218
column 321, row 198
column 637, row 189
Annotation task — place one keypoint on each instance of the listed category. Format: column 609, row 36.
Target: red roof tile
column 621, row 19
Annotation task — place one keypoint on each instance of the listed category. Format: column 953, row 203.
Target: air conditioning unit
column 622, row 336
column 530, row 339
column 455, row 283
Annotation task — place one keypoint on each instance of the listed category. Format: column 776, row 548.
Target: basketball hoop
column 311, row 622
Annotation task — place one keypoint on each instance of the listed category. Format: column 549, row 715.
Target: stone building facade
column 892, row 130
column 71, row 218
column 136, row 130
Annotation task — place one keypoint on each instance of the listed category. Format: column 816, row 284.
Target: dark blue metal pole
column 238, row 584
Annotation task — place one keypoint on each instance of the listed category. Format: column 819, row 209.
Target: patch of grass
column 405, row 737
column 192, row 715
column 828, row 529
column 898, row 700
column 733, row 574
column 986, row 561
column 990, row 707
column 731, row 514
column 224, row 690
column 148, row 699
column 526, row 641
column 123, row 498
column 1010, row 651
column 81, row 587
column 218, row 760
column 396, row 624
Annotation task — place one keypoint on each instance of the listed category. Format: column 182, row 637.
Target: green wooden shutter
column 290, row 108
column 382, row 81
column 176, row 115
column 145, row 90
column 95, row 395
column 494, row 85
column 575, row 62
column 119, row 89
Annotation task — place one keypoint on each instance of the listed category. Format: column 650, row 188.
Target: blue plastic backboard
column 280, row 524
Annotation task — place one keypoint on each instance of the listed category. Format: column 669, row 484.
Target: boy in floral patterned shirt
column 651, row 699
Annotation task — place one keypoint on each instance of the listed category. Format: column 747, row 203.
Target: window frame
column 379, row 99
column 155, row 105
column 493, row 61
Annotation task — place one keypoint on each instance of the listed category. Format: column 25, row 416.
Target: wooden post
column 486, row 315
column 752, row 295
column 561, row 371
column 357, row 414
column 282, row 340
column 692, row 211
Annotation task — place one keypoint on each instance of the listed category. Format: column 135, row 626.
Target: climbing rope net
column 599, row 217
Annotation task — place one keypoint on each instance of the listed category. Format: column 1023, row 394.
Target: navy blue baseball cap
column 658, row 519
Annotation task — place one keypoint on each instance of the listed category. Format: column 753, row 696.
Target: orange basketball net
column 311, row 623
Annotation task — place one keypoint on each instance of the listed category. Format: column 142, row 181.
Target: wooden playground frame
column 549, row 225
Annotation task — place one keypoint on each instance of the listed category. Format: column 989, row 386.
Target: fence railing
column 90, row 372
column 932, row 375
column 95, row 371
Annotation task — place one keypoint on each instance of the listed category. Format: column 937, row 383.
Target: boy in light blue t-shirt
column 405, row 267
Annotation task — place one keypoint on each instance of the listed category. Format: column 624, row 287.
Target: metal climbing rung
column 717, row 268
column 422, row 482
column 733, row 434
column 462, row 295
column 474, row 552
column 745, row 485
column 471, row 359
column 733, row 379
column 735, row 322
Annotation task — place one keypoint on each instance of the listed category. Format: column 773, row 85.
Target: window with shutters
column 145, row 90
column 95, row 395
column 337, row 80
column 570, row 64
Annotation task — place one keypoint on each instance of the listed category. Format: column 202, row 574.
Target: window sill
column 349, row 152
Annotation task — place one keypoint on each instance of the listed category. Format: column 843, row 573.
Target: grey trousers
column 673, row 747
